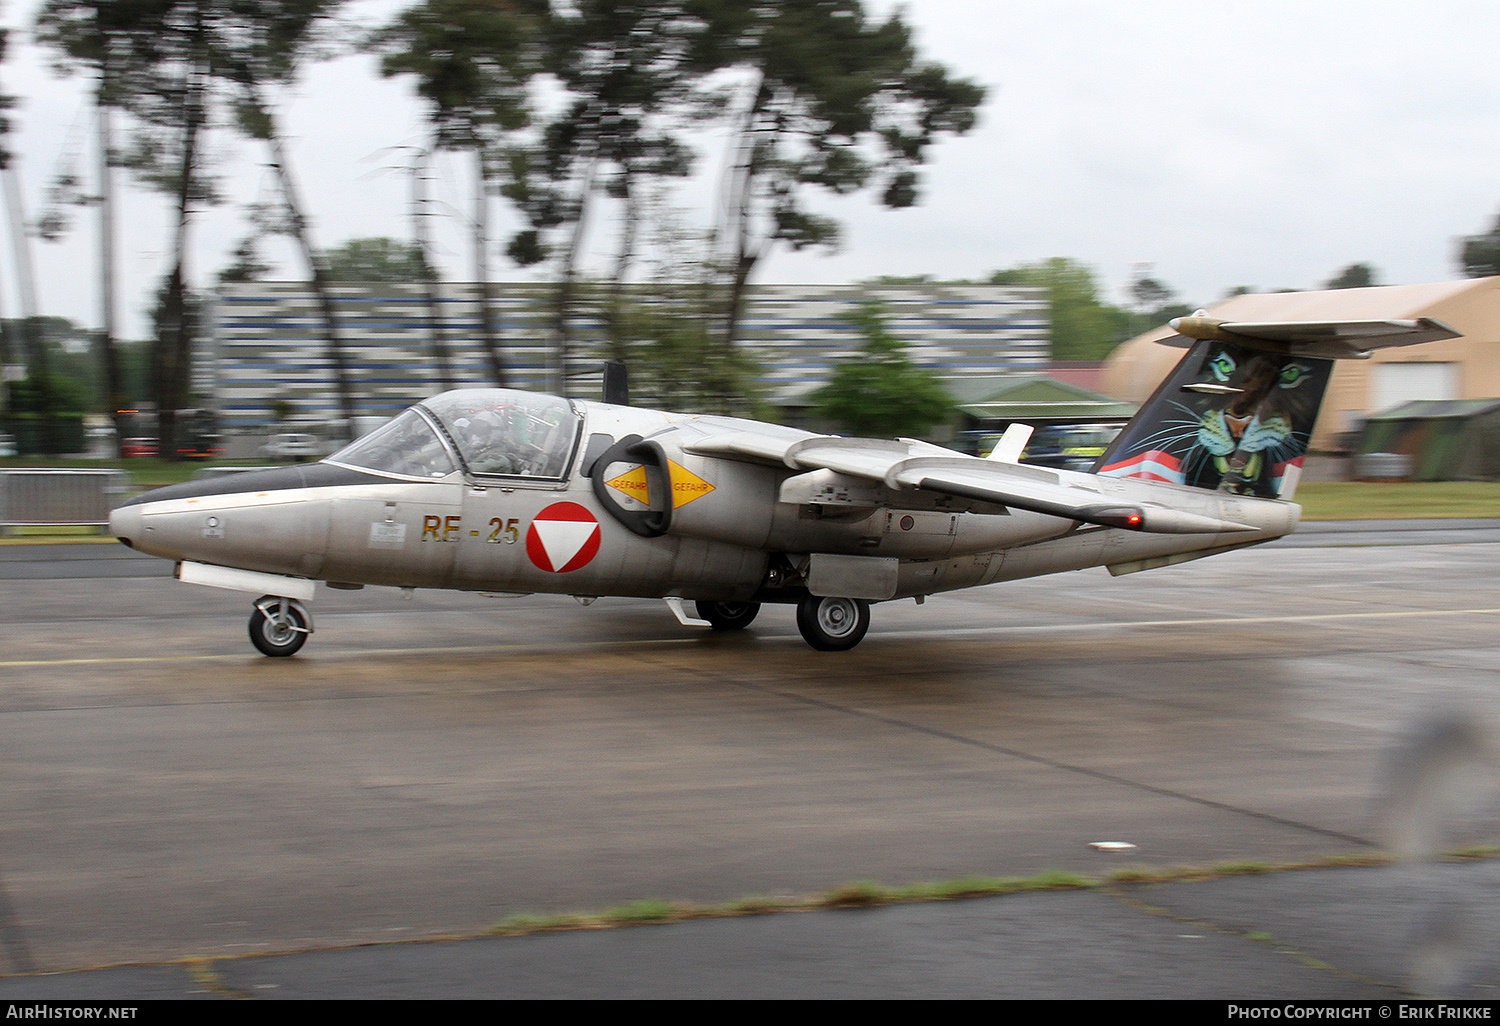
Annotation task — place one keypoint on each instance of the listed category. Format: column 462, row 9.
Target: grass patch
column 145, row 471
column 1398, row 500
column 1243, row 868
column 975, row 887
column 647, row 910
column 45, row 531
column 1472, row 854
column 757, row 905
column 858, row 894
column 527, row 922
column 873, row 894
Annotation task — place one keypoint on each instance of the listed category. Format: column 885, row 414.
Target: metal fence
column 79, row 498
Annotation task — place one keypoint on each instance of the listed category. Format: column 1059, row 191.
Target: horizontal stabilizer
column 1320, row 340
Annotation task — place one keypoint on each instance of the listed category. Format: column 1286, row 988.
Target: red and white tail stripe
column 1153, row 465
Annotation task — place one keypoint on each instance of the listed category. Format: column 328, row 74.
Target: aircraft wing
column 909, row 466
column 1321, row 340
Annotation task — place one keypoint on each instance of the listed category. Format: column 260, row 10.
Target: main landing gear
column 827, row 624
column 728, row 616
column 279, row 626
column 832, row 624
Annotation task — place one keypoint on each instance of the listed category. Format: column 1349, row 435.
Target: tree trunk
column 332, row 339
column 740, row 208
column 31, row 328
column 114, row 384
column 174, row 342
column 489, row 333
column 435, row 325
column 562, row 314
column 614, row 307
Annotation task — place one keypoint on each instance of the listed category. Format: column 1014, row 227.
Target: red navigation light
column 1125, row 517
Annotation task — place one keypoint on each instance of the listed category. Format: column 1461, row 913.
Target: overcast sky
column 1267, row 143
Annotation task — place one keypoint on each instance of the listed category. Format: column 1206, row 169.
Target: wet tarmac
column 426, row 768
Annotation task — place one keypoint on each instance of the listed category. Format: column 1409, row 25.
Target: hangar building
column 1461, row 368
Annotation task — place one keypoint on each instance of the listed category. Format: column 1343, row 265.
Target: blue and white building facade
column 266, row 352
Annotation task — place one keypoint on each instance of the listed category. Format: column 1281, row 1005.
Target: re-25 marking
column 441, row 529
column 448, row 529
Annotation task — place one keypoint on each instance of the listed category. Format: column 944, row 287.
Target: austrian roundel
column 562, row 537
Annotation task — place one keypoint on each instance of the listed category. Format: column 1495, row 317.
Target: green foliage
column 376, row 260
column 661, row 332
column 842, row 101
column 1150, row 294
column 1083, row 327
column 1355, row 276
column 645, row 910
column 47, row 395
column 882, row 393
column 6, row 103
column 1480, row 255
column 247, row 264
column 471, row 60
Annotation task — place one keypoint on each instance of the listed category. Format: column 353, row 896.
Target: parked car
column 7, row 444
column 293, row 447
column 138, row 447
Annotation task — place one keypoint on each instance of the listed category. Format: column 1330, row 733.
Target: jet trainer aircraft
column 506, row 492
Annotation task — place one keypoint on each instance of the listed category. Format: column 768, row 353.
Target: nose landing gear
column 279, row 626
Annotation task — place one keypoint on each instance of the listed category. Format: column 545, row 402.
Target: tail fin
column 1237, row 413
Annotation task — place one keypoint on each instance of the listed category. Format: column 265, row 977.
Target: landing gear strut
column 279, row 626
column 832, row 624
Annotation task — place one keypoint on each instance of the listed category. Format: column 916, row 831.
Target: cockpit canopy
column 487, row 431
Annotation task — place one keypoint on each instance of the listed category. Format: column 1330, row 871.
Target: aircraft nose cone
column 125, row 524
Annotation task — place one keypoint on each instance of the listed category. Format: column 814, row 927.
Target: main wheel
column 833, row 624
column 280, row 634
column 728, row 616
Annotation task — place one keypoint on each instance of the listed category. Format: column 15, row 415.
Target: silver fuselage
column 729, row 525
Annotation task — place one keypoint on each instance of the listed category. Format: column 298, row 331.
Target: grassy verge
column 869, row 893
column 1398, row 500
column 145, row 471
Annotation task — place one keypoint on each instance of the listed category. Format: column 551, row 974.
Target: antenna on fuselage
column 616, row 383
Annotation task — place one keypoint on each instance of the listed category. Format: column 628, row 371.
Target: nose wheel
column 279, row 626
column 832, row 624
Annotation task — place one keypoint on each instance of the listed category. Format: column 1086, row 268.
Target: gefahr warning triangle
column 686, row 485
column 562, row 537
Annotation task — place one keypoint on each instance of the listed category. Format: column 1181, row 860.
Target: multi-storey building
column 267, row 359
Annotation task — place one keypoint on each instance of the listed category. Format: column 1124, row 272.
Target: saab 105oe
column 501, row 491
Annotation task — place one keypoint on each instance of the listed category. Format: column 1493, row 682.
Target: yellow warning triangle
column 686, row 485
column 633, row 483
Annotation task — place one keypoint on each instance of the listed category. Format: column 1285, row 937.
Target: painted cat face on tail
column 1229, row 418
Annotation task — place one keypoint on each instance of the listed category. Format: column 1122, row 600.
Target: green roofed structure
column 1032, row 399
column 1443, row 439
